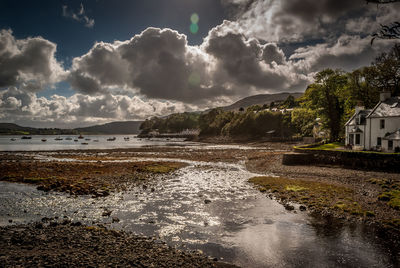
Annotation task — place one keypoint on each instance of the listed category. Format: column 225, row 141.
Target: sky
column 78, row 63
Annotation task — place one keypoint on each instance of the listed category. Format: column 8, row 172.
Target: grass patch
column 392, row 197
column 336, row 146
column 391, row 192
column 316, row 195
column 295, row 188
column 157, row 167
column 328, row 146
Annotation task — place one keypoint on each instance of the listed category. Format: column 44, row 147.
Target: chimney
column 384, row 95
column 359, row 107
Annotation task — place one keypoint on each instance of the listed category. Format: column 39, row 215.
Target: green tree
column 303, row 120
column 361, row 87
column 211, row 123
column 326, row 97
column 387, row 70
column 290, row 102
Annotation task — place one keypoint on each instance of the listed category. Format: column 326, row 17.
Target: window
column 379, row 141
column 351, row 139
column 382, row 123
column 390, row 145
column 358, row 139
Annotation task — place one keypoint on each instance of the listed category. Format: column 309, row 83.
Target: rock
column 302, row 208
column 106, row 213
column 10, row 220
column 78, row 223
column 289, row 207
column 152, row 189
column 45, row 219
column 207, row 201
column 115, row 219
column 65, row 222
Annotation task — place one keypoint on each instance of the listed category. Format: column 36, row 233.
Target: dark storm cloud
column 240, row 58
column 299, row 20
column 28, row 63
column 156, row 63
column 310, row 10
column 79, row 16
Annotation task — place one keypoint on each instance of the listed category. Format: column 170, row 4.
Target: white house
column 377, row 128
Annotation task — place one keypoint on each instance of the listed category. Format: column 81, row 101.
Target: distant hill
column 13, row 129
column 11, row 126
column 125, row 127
column 128, row 127
column 260, row 100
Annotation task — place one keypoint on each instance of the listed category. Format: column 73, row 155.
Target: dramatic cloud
column 25, row 107
column 156, row 63
column 160, row 64
column 28, row 63
column 79, row 16
column 269, row 46
column 299, row 20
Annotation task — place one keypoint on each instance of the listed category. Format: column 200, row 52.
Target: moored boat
column 26, row 137
column 111, row 139
column 44, row 140
column 80, row 137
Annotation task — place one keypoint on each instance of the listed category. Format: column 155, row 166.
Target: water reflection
column 210, row 206
column 99, row 142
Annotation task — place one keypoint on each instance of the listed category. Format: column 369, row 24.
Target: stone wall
column 355, row 160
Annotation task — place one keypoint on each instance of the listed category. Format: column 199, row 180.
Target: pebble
column 90, row 246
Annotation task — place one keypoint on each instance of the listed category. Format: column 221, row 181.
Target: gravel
column 65, row 244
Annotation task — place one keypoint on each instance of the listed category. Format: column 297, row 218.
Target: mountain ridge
column 260, row 99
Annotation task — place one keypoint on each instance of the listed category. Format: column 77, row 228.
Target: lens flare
column 194, row 18
column 194, row 79
column 194, row 28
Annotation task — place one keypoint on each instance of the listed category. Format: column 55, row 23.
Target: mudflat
column 369, row 197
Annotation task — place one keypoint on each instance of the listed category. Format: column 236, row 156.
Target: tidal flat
column 230, row 204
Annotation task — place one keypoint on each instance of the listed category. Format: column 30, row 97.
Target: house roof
column 355, row 130
column 387, row 108
column 393, row 136
column 354, row 119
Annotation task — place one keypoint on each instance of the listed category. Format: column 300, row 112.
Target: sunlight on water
column 35, row 144
column 212, row 207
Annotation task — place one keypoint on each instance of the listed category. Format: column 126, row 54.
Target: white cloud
column 28, row 63
column 23, row 107
column 157, row 72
